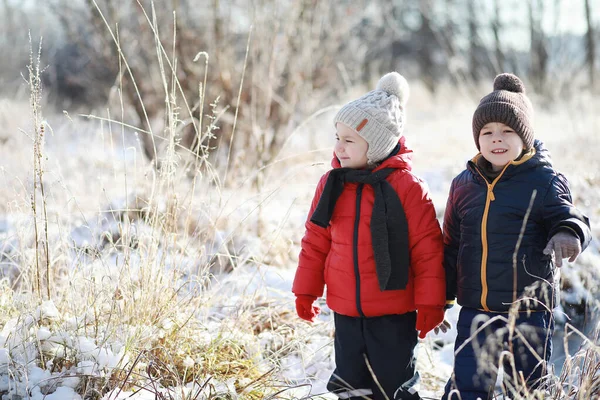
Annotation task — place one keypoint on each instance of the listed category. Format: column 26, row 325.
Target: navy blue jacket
column 482, row 226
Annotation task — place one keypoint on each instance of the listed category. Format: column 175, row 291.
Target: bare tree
column 479, row 56
column 473, row 40
column 539, row 47
column 497, row 29
column 247, row 69
column 449, row 31
column 590, row 45
column 412, row 42
column 9, row 20
column 426, row 36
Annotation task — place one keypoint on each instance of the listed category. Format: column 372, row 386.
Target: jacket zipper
column 359, row 190
column 489, row 198
column 484, row 244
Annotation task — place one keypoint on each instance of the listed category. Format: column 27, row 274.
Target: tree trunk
column 9, row 22
column 539, row 51
column 591, row 46
column 425, row 55
column 496, row 29
column 473, row 42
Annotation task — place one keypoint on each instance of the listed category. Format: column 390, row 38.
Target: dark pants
column 386, row 345
column 476, row 361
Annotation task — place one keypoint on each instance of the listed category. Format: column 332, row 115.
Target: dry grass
column 109, row 264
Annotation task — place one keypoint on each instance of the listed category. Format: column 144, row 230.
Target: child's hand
column 444, row 327
column 428, row 318
column 305, row 308
column 564, row 245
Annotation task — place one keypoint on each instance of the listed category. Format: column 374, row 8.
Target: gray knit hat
column 378, row 116
column 509, row 105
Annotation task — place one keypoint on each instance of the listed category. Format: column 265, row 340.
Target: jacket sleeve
column 561, row 214
column 426, row 249
column 451, row 232
column 315, row 245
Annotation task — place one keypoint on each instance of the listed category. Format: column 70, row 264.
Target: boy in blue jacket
column 509, row 222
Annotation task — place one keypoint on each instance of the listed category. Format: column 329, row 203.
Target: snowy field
column 154, row 274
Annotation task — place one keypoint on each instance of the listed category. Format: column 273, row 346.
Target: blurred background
column 268, row 65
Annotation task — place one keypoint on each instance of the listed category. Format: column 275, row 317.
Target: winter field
column 121, row 281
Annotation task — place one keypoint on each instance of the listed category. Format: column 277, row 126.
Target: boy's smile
column 350, row 148
column 499, row 144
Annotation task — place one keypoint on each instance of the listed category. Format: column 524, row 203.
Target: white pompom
column 396, row 84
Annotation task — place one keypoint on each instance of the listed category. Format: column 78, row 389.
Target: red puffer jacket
column 327, row 255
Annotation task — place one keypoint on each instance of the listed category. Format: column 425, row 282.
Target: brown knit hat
column 509, row 105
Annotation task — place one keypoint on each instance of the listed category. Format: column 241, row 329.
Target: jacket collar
column 538, row 156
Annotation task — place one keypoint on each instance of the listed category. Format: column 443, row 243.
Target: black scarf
column 389, row 229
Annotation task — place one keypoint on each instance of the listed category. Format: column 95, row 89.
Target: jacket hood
column 542, row 154
column 400, row 158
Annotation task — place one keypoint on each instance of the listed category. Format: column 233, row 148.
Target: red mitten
column 305, row 308
column 428, row 318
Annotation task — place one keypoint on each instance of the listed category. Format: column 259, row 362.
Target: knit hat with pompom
column 378, row 116
column 509, row 105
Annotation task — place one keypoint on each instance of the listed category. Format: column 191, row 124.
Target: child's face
column 499, row 144
column 350, row 148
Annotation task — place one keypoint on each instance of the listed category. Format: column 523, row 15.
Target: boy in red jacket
column 373, row 238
